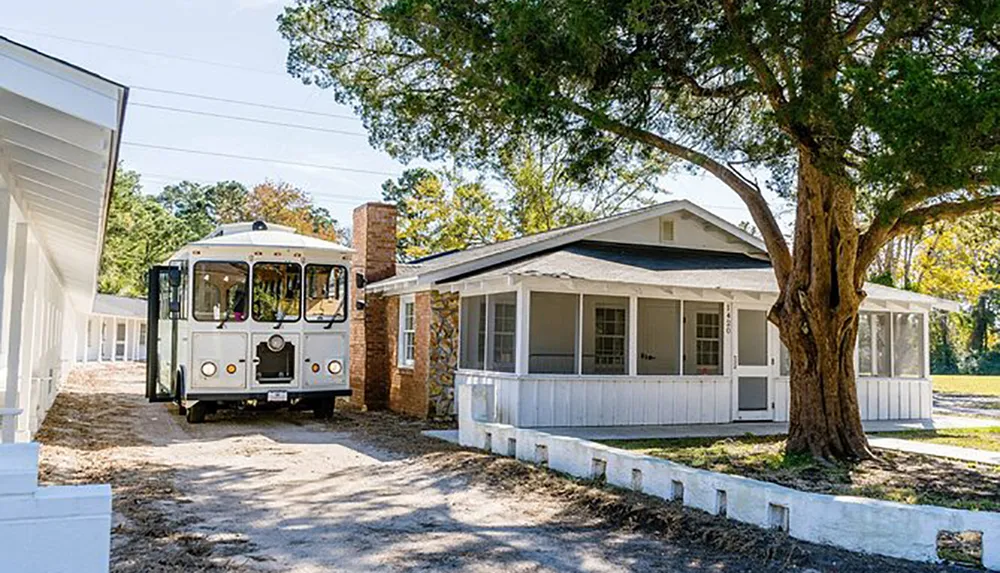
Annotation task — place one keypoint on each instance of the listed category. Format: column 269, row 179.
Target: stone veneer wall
column 443, row 354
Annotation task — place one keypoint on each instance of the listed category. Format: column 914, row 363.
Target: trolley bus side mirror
column 360, row 281
column 359, row 304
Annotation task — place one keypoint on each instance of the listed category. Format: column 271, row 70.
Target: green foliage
column 144, row 230
column 440, row 214
column 140, row 233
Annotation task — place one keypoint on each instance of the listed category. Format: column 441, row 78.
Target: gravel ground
column 278, row 491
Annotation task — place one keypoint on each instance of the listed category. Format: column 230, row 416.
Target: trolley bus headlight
column 276, row 343
column 335, row 367
column 208, row 369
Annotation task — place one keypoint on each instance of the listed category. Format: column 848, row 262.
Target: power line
column 145, row 52
column 244, row 102
column 246, row 119
column 174, row 179
column 261, row 159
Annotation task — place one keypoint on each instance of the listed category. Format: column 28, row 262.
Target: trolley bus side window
column 277, row 292
column 220, row 291
column 326, row 293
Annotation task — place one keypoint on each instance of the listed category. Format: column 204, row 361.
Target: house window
column 609, row 339
column 708, row 346
column 142, row 334
column 502, row 325
column 407, row 331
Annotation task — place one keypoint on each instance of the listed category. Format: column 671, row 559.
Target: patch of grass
column 976, row 438
column 967, row 385
column 895, row 476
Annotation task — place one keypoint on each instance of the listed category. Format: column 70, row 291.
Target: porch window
column 908, row 345
column 873, row 344
column 605, row 335
column 473, row 333
column 407, row 330
column 702, row 338
column 502, row 333
column 553, row 332
column 659, row 330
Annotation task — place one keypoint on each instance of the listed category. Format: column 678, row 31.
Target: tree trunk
column 817, row 316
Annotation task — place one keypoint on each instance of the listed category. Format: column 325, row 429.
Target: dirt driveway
column 366, row 492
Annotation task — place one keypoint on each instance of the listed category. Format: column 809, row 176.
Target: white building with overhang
column 60, row 128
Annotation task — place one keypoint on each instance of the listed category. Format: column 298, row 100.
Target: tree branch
column 773, row 89
column 861, row 21
column 944, row 211
column 777, row 247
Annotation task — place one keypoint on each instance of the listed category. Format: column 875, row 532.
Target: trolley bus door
column 164, row 311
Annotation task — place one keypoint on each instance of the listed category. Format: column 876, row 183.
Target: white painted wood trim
column 633, row 335
column 15, row 327
column 521, row 329
column 579, row 337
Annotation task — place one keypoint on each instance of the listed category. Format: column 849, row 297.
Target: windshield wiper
column 329, row 323
column 225, row 319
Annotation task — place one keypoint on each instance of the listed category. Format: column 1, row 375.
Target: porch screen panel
column 501, row 351
column 908, row 345
column 703, row 332
column 473, row 333
column 659, row 337
column 873, row 344
column 552, row 333
column 605, row 335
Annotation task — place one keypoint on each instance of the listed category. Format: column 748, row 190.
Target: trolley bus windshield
column 220, row 291
column 277, row 292
column 326, row 293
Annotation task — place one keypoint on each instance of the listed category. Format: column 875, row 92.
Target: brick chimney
column 374, row 236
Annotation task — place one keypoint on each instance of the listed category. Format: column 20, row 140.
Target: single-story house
column 654, row 316
column 116, row 330
column 60, row 128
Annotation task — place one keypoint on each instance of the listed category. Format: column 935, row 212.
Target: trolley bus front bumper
column 263, row 396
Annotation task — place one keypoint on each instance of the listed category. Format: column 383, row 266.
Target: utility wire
column 261, row 159
column 334, row 197
column 145, row 52
column 246, row 119
column 243, row 102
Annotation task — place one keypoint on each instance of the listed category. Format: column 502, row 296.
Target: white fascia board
column 59, row 85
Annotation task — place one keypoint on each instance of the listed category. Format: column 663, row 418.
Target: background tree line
column 960, row 261
column 145, row 229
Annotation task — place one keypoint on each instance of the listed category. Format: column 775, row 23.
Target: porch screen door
column 752, row 366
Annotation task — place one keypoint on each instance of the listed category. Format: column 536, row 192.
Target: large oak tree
column 876, row 116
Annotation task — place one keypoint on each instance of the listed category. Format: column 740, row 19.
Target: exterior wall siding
column 571, row 401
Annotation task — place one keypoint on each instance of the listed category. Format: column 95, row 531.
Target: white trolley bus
column 254, row 315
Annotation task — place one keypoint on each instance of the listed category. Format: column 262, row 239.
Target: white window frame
column 623, row 337
column 699, row 339
column 509, row 335
column 406, row 341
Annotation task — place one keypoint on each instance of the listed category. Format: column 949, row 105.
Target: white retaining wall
column 539, row 400
column 60, row 529
column 858, row 524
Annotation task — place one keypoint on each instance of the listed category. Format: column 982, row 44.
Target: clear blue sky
column 242, row 35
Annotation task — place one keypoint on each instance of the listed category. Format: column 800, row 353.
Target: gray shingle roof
column 668, row 267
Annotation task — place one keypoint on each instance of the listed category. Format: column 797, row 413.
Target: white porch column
column 4, row 226
column 680, row 340
column 14, row 329
column 927, row 345
column 579, row 338
column 633, row 335
column 522, row 326
column 128, row 349
column 33, row 321
column 100, row 339
column 114, row 338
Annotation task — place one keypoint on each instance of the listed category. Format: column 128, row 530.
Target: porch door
column 752, row 372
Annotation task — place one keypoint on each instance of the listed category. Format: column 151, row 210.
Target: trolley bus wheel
column 323, row 409
column 196, row 413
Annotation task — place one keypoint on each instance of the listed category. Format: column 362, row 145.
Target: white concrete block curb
column 857, row 524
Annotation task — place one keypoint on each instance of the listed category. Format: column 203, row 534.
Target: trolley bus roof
column 272, row 239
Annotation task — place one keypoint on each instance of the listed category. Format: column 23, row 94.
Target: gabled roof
column 671, row 267
column 123, row 306
column 429, row 270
